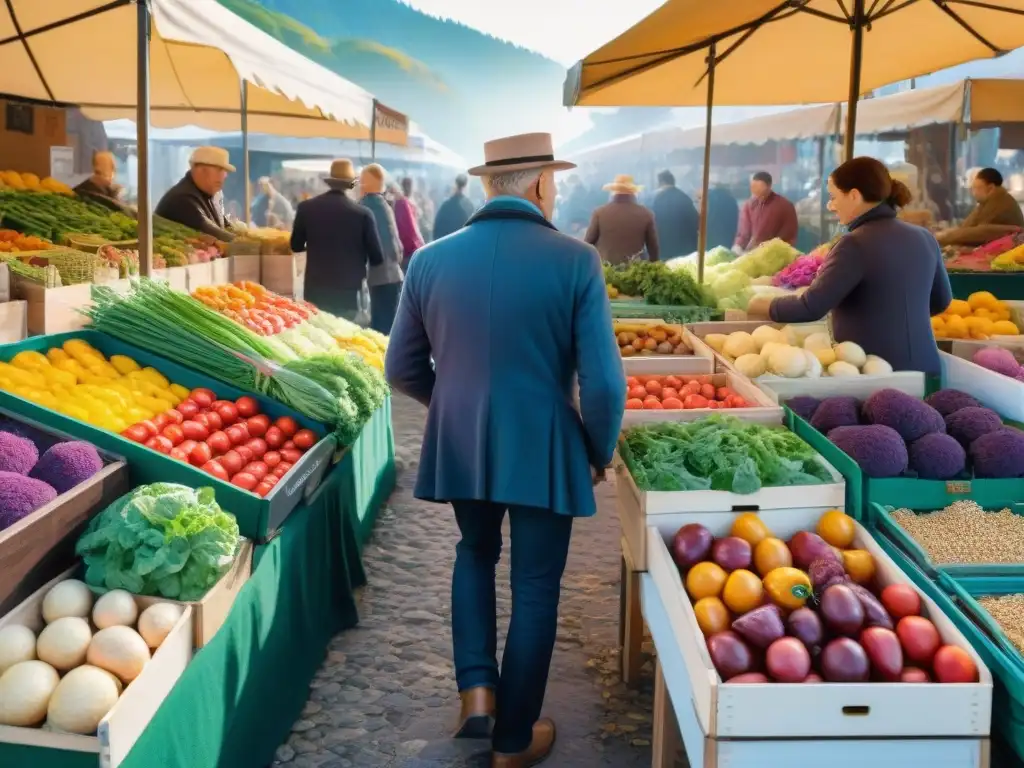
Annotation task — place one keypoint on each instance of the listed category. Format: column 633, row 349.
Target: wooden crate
column 123, row 725
column 210, row 613
column 762, row 411
column 244, row 267
column 284, row 274
column 13, row 321
column 198, row 275
column 53, row 310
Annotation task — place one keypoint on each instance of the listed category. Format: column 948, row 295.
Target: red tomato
column 715, row 405
column 634, row 404
column 901, row 600
column 160, row 444
column 173, row 433
column 179, row 454
column 287, row 425
column 631, row 381
column 258, row 425
column 271, row 458
column 919, row 638
column 304, row 439
column 137, row 433
column 247, row 406
column 695, row 401
column 282, row 469
column 202, row 418
column 214, row 468
column 272, row 480
column 637, row 392
column 201, row 454
column 218, row 403
column 219, row 443
column 150, row 427
column 292, row 455
column 723, row 393
column 649, row 405
column 245, row 481
column 257, row 446
column 214, row 421
column 188, row 445
column 735, row 401
column 236, row 434
column 194, row 431
column 653, row 387
column 174, row 416
column 275, row 437
column 672, row 403
column 289, row 445
column 668, row 393
column 202, row 397
column 245, row 452
column 257, row 469
column 161, row 421
column 673, row 382
column 707, row 391
column 232, row 462
column 954, row 665
column 228, row 413
column 263, row 488
column 187, row 408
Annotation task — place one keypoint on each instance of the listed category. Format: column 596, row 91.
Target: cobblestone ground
column 386, row 694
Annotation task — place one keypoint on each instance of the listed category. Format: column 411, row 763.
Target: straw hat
column 623, row 185
column 343, row 175
column 214, row 156
column 525, row 152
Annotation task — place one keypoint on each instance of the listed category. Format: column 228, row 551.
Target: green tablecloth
column 237, row 700
column 1007, row 286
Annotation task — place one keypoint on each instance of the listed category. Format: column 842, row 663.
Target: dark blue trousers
column 383, row 305
column 540, row 546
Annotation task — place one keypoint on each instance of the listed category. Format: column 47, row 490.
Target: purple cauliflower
column 947, row 401
column 968, row 424
column 43, row 440
column 803, row 406
column 836, row 412
column 878, row 449
column 997, row 359
column 21, row 496
column 910, row 417
column 937, row 457
column 65, row 465
column 17, row 454
column 998, row 454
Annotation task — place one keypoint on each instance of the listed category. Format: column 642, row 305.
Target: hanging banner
column 392, row 127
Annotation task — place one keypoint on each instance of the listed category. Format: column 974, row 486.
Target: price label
column 958, row 487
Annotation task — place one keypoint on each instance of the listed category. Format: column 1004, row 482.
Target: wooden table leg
column 631, row 622
column 666, row 743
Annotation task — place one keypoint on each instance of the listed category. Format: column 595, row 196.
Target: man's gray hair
column 515, row 183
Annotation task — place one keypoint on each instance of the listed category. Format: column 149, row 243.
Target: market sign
column 390, row 126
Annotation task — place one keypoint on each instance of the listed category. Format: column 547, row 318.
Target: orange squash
column 705, row 580
column 743, row 591
column 837, row 528
column 751, row 528
column 712, row 615
column 771, row 553
column 859, row 564
column 788, row 587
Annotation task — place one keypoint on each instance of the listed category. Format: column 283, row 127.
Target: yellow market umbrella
column 767, row 52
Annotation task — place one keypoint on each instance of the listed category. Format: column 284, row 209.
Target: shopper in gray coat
column 385, row 280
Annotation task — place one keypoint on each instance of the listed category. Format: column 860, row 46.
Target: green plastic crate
column 957, row 598
column 846, row 466
column 882, row 520
column 258, row 518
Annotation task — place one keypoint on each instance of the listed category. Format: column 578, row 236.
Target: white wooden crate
column 124, row 724
column 780, row 389
column 703, row 751
column 702, row 361
column 763, row 410
column 1002, row 394
column 820, row 710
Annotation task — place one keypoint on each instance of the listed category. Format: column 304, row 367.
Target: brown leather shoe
column 476, row 720
column 538, row 751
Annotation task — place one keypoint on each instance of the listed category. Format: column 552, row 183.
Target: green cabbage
column 164, row 539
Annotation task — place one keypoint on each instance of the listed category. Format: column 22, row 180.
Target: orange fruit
column 750, row 528
column 742, row 592
column 712, row 615
column 837, row 529
column 859, row 564
column 705, row 580
column 787, row 587
column 771, row 553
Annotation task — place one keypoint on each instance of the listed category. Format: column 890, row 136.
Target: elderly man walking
column 385, row 279
column 511, row 311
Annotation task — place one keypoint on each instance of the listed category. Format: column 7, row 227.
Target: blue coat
column 510, row 310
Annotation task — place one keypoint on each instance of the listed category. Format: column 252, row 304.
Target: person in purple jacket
column 882, row 281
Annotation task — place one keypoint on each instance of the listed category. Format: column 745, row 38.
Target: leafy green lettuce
column 164, row 539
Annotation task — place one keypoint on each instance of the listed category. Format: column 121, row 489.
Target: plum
column 691, row 545
column 844, row 661
column 760, row 627
column 841, row 610
column 808, row 547
column 788, row 661
column 805, row 625
column 884, row 651
column 730, row 655
column 732, row 553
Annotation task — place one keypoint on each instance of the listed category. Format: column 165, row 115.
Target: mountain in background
column 460, row 85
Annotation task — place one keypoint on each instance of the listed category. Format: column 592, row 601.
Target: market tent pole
column 145, row 211
column 857, row 21
column 373, row 132
column 702, row 230
column 247, row 195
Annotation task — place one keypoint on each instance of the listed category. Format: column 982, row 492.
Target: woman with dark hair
column 882, row 281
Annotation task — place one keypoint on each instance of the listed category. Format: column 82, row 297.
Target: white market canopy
column 83, row 52
column 974, row 103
